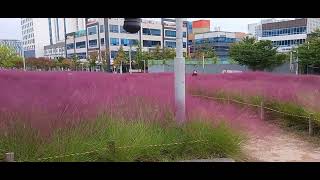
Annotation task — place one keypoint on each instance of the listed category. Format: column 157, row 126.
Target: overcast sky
column 10, row 27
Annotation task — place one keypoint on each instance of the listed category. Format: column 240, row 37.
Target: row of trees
column 159, row 53
column 50, row 64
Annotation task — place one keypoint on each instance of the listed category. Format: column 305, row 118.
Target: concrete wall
column 213, row 68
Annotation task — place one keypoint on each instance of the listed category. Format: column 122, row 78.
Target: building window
column 81, row 44
column 82, row 55
column 114, row 28
column 127, row 42
column 70, row 46
column 184, row 44
column 113, row 54
column 152, row 32
column 170, row 33
column 102, row 41
column 170, row 44
column 285, row 43
column 147, row 43
column 284, row 31
column 184, row 34
column 92, row 30
column 93, row 43
column 114, row 41
column 101, row 28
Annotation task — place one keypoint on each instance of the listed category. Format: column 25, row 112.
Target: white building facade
column 287, row 34
column 40, row 32
column 107, row 35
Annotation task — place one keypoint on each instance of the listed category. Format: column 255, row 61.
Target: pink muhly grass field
column 301, row 90
column 50, row 100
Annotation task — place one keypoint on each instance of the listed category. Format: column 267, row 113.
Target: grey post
column 179, row 74
column 203, row 63
column 297, row 67
column 9, row 157
column 112, row 147
column 121, row 67
column 24, row 60
column 130, row 69
column 310, row 125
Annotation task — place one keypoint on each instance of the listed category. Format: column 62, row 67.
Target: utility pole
column 130, row 69
column 121, row 66
column 23, row 59
column 179, row 74
column 297, row 67
column 291, row 63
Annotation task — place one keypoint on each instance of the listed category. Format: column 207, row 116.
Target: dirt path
column 268, row 142
column 281, row 146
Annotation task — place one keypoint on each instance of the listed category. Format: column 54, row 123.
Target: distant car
column 231, row 71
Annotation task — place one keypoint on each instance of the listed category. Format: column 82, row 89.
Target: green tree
column 75, row 62
column 206, row 51
column 104, row 58
column 8, row 57
column 156, row 54
column 168, row 53
column 314, row 35
column 66, row 63
column 309, row 52
column 140, row 56
column 93, row 57
column 257, row 55
column 121, row 57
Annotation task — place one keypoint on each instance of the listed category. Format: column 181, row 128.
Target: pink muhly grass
column 51, row 100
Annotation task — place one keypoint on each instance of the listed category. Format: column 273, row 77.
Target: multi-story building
column 55, row 51
column 14, row 44
column 40, row 32
column 219, row 41
column 286, row 34
column 107, row 35
column 169, row 33
column 35, row 35
column 255, row 29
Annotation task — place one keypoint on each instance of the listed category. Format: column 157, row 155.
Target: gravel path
column 281, row 146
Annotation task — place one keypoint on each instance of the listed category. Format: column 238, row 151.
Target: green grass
column 136, row 135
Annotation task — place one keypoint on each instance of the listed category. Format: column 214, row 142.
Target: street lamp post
column 23, row 59
column 130, row 69
column 297, row 67
column 291, row 63
column 179, row 73
column 121, row 66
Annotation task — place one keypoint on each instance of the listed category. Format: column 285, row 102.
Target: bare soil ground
column 281, row 146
